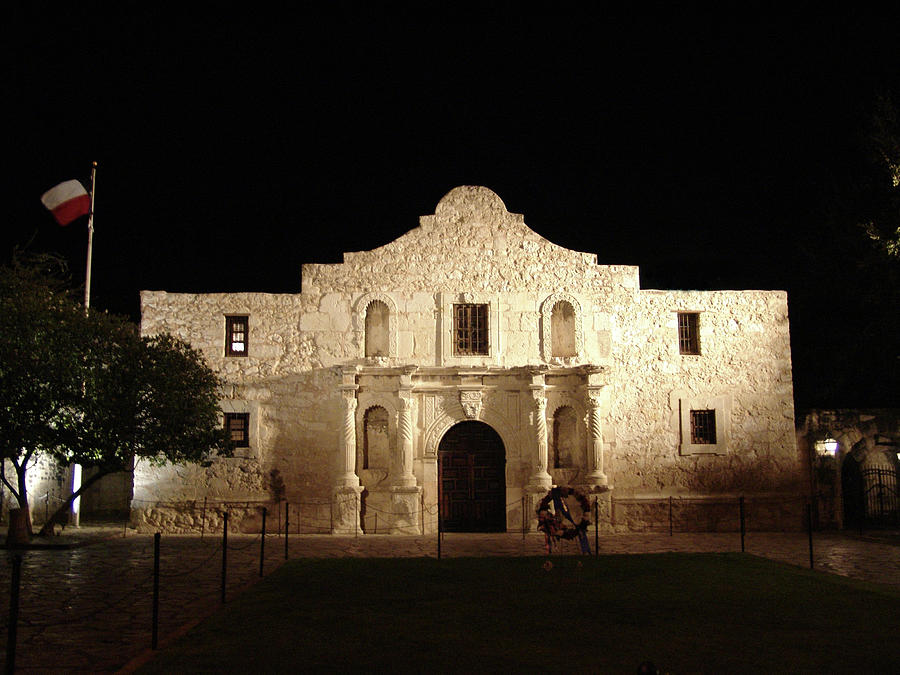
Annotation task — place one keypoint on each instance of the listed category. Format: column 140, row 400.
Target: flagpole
column 90, row 246
column 76, row 468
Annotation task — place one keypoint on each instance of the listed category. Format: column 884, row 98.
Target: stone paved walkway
column 88, row 608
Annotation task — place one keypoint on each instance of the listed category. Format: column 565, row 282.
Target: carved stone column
column 346, row 496
column 401, row 470
column 596, row 381
column 596, row 477
column 347, row 440
column 540, row 480
column 406, row 500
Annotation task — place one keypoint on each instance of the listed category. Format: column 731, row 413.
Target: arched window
column 377, row 329
column 562, row 330
column 565, row 439
column 376, row 443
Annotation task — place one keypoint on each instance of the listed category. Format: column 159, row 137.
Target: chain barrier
column 244, row 547
column 192, row 570
column 123, row 601
column 663, row 514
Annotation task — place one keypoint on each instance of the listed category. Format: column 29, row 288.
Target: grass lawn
column 688, row 613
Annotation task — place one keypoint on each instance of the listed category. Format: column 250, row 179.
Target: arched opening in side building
column 852, row 491
column 472, row 466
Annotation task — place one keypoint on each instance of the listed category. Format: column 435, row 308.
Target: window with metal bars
column 237, row 427
column 689, row 332
column 703, row 427
column 236, row 335
column 470, row 329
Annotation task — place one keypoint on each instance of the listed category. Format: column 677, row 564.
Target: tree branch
column 47, row 527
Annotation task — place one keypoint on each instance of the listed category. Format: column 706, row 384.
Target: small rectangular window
column 236, row 335
column 689, row 332
column 237, row 426
column 470, row 329
column 703, row 427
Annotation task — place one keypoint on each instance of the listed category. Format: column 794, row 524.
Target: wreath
column 559, row 523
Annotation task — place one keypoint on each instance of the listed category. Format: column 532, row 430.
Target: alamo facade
column 465, row 368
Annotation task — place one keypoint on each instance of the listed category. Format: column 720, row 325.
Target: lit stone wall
column 473, row 250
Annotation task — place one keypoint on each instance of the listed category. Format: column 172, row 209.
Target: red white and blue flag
column 67, row 201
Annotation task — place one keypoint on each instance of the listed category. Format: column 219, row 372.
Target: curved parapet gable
column 470, row 243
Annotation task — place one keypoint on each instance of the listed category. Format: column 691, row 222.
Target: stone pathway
column 87, row 608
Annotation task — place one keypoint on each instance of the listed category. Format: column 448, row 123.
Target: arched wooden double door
column 472, row 479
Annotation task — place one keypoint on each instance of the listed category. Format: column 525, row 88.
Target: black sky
column 707, row 149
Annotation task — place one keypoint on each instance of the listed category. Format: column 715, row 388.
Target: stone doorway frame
column 500, row 505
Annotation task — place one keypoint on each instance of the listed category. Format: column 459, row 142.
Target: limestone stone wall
column 306, row 380
column 744, row 368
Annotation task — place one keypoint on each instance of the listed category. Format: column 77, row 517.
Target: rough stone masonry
column 463, row 369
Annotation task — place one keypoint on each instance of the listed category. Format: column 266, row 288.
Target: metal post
column 154, row 641
column 670, row 515
column 809, row 528
column 743, row 524
column 14, row 584
column 523, row 518
column 224, row 554
column 287, row 511
column 262, row 543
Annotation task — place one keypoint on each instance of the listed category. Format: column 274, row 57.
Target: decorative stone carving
column 406, row 510
column 595, row 443
column 540, row 479
column 471, row 403
column 403, row 475
column 348, row 477
column 345, row 510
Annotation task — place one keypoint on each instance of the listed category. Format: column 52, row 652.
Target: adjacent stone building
column 853, row 460
column 469, row 365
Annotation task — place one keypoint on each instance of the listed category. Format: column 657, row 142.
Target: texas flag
column 67, row 201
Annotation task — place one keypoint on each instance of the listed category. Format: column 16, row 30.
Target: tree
column 152, row 398
column 87, row 389
column 42, row 367
column 881, row 211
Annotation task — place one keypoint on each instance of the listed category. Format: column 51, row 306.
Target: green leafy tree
column 152, row 398
column 87, row 389
column 42, row 365
column 881, row 206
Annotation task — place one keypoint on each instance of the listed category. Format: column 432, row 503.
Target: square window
column 470, row 329
column 237, row 426
column 689, row 332
column 236, row 335
column 703, row 427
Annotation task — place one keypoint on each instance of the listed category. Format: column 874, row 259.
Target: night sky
column 711, row 151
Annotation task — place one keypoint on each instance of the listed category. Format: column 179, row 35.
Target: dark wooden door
column 473, row 479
